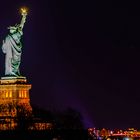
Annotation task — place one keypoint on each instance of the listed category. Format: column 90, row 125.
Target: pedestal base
column 14, row 97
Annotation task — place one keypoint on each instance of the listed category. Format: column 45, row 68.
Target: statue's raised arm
column 23, row 20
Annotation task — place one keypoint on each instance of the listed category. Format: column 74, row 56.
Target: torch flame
column 23, row 10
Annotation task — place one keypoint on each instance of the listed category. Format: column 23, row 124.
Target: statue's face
column 12, row 31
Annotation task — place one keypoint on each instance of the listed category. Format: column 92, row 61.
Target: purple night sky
column 82, row 55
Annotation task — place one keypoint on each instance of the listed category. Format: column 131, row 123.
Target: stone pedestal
column 14, row 97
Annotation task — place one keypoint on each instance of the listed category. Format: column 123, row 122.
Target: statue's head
column 13, row 29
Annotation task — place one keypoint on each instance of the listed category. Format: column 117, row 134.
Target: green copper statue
column 12, row 47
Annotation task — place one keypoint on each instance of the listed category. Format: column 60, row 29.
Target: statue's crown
column 13, row 27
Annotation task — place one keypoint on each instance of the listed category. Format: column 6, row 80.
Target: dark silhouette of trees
column 69, row 119
column 67, row 124
column 44, row 115
column 24, row 117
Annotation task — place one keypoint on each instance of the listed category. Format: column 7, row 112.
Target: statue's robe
column 12, row 48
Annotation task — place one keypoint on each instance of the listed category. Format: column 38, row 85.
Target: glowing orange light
column 24, row 10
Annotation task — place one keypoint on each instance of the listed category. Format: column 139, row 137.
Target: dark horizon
column 83, row 55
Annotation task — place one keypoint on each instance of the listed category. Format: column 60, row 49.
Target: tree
column 69, row 119
column 24, row 117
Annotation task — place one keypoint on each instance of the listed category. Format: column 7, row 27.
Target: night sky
column 83, row 55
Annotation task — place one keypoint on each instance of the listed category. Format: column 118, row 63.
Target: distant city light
column 126, row 139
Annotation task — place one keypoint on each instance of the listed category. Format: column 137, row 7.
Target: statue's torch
column 23, row 11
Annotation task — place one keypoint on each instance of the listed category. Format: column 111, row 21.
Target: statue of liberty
column 12, row 47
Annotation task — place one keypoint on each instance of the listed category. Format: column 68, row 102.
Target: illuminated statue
column 12, row 47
